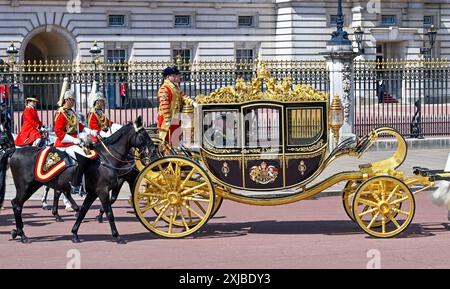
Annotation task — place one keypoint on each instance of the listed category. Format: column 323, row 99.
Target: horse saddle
column 50, row 163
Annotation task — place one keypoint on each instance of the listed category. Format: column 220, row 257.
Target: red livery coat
column 30, row 127
column 66, row 121
column 98, row 122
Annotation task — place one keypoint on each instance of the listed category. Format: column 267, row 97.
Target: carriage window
column 304, row 125
column 262, row 127
column 220, row 129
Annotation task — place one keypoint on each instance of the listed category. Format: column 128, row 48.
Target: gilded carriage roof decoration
column 281, row 91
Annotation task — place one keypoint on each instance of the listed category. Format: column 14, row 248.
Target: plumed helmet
column 65, row 92
column 95, row 95
column 170, row 70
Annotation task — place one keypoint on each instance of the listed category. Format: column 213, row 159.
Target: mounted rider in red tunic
column 96, row 117
column 30, row 132
column 68, row 130
column 171, row 101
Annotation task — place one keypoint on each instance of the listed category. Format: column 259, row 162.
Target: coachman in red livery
column 29, row 133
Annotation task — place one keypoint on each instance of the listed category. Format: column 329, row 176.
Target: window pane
column 245, row 21
column 388, row 20
column 333, row 19
column 116, row 55
column 220, row 129
column 427, row 20
column 244, row 55
column 262, row 127
column 182, row 20
column 304, row 126
column 116, row 20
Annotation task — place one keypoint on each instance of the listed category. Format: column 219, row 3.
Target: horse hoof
column 76, row 240
column 25, row 240
column 59, row 219
column 120, row 241
column 99, row 219
column 14, row 234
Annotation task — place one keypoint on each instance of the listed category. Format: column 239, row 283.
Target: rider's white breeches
column 72, row 150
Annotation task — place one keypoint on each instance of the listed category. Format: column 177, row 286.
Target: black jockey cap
column 170, row 70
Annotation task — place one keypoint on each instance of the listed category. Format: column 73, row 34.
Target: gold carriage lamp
column 336, row 117
column 187, row 124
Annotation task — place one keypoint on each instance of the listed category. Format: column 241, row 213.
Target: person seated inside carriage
column 68, row 131
column 30, row 133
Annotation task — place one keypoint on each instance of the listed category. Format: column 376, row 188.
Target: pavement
column 314, row 233
column 306, row 234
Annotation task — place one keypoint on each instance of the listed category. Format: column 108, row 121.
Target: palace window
column 427, row 21
column 116, row 55
column 246, row 21
column 116, row 20
column 183, row 21
column 388, row 20
column 244, row 55
column 333, row 20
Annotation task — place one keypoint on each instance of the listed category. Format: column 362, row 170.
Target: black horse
column 100, row 177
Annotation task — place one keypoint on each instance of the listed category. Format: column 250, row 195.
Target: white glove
column 168, row 123
column 70, row 139
column 77, row 141
column 87, row 130
column 194, row 104
column 94, row 133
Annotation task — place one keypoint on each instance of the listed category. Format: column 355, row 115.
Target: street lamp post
column 339, row 37
column 12, row 52
column 359, row 34
column 95, row 52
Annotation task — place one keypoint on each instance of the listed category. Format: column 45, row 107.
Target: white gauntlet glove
column 70, row 139
column 94, row 133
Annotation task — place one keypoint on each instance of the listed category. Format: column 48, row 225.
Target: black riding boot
column 78, row 175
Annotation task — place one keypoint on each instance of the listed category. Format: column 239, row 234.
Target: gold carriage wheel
column 173, row 197
column 348, row 194
column 385, row 200
column 192, row 222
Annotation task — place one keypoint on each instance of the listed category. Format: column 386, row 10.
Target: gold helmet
column 66, row 93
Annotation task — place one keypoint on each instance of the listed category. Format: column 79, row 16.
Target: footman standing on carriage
column 67, row 130
column 29, row 133
column 171, row 101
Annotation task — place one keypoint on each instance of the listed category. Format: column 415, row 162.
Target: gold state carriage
column 264, row 135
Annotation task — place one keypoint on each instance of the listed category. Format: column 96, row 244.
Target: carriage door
column 262, row 147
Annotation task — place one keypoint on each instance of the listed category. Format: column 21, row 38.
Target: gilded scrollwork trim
column 280, row 91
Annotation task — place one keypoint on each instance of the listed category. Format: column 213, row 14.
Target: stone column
column 340, row 67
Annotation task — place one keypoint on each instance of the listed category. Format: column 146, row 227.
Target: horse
column 442, row 195
column 48, row 139
column 100, row 177
column 7, row 148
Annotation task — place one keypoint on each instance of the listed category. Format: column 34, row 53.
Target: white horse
column 442, row 195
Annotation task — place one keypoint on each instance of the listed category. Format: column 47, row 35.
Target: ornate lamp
column 336, row 117
column 359, row 34
column 95, row 52
column 12, row 51
column 187, row 124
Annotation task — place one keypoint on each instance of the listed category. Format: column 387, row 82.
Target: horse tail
column 4, row 164
column 442, row 195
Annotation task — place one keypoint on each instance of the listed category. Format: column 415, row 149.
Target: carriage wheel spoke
column 151, row 206
column 394, row 191
column 400, row 211
column 200, row 207
column 368, row 202
column 188, row 177
column 168, row 183
column 161, row 213
column 192, row 211
column 177, row 174
column 375, row 196
column 367, row 212
column 373, row 220
column 184, row 220
column 155, row 195
column 383, row 224
column 195, row 199
column 399, row 200
column 185, row 192
column 393, row 220
column 171, row 220
column 155, row 184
